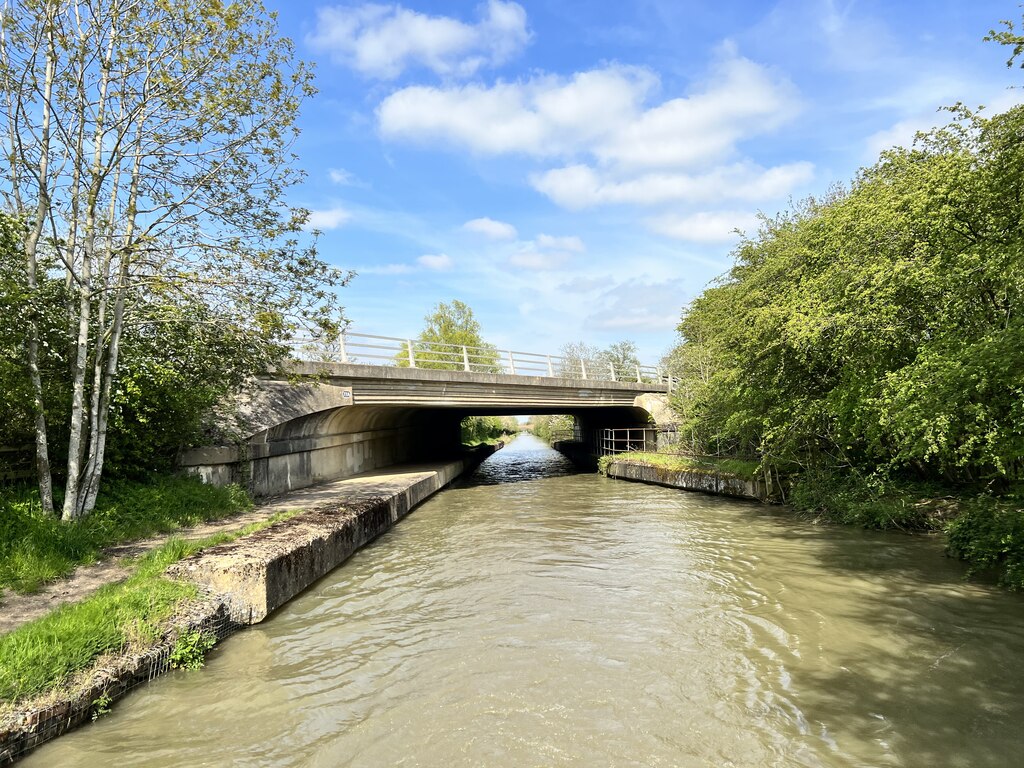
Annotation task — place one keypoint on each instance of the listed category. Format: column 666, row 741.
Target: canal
column 531, row 616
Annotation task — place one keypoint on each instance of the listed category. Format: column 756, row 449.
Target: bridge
column 375, row 401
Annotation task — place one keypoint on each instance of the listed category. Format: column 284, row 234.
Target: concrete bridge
column 321, row 421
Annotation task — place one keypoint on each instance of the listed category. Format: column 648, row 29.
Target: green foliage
column 484, row 429
column 876, row 330
column 853, row 499
column 450, row 327
column 37, row 548
column 101, row 706
column 549, row 428
column 989, row 534
column 742, row 469
column 190, row 649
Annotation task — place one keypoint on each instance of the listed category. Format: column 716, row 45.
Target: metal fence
column 629, row 439
column 669, row 440
column 370, row 349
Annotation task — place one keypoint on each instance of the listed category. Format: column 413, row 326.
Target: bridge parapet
column 395, row 352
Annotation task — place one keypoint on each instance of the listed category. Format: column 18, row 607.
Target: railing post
column 341, row 347
column 611, row 367
column 583, row 368
column 639, row 378
column 412, row 357
column 551, row 368
column 465, row 358
column 511, row 363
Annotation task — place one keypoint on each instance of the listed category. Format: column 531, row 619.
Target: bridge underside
column 355, row 419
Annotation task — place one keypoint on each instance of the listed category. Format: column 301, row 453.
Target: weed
column 101, row 706
column 190, row 649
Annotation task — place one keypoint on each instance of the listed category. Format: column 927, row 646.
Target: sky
column 576, row 171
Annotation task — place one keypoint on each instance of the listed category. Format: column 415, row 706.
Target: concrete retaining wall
column 690, row 480
column 261, row 572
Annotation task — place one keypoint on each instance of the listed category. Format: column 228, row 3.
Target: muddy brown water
column 531, row 616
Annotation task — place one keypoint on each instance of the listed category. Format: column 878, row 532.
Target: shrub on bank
column 36, row 548
column 989, row 535
column 855, row 499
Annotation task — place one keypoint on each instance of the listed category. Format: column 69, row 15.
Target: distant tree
column 549, row 427
column 577, row 357
column 451, row 336
column 481, row 429
column 622, row 356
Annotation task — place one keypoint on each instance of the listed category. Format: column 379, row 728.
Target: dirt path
column 17, row 609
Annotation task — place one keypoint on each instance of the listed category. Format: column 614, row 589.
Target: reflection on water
column 532, row 616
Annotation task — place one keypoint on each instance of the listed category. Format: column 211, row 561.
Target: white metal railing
column 627, row 439
column 369, row 349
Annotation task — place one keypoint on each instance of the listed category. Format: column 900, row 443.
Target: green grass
column 745, row 470
column 36, row 548
column 46, row 654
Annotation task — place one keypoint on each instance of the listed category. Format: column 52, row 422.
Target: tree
column 578, row 360
column 621, row 357
column 148, row 144
column 878, row 329
column 450, row 339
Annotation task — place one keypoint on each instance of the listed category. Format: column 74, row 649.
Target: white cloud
column 538, row 261
column 580, row 186
column 705, row 226
column 546, row 252
column 573, row 243
column 341, row 176
column 545, row 116
column 639, row 305
column 384, row 40
column 496, row 230
column 618, row 147
column 386, row 269
column 330, row 218
column 600, row 112
column 436, row 261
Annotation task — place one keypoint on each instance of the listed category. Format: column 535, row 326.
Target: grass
column 743, row 469
column 36, row 548
column 48, row 653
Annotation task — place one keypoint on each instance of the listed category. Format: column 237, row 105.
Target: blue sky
column 574, row 170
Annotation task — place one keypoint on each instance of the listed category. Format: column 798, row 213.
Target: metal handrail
column 351, row 347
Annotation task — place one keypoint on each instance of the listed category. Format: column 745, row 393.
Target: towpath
column 17, row 609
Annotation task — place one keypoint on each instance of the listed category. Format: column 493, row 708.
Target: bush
column 854, row 499
column 989, row 535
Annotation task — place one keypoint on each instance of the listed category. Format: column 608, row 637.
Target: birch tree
column 148, row 150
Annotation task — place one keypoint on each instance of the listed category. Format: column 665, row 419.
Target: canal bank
column 699, row 480
column 239, row 584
